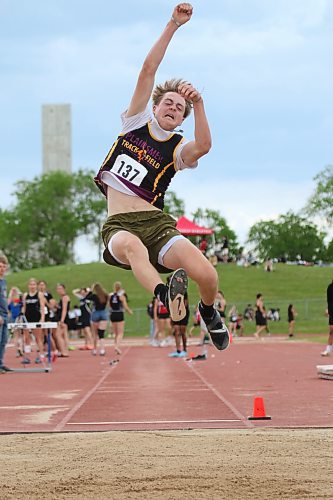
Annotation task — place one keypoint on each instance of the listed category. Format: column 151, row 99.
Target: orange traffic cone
column 259, row 410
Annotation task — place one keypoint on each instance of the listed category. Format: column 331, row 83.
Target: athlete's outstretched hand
column 182, row 13
column 189, row 92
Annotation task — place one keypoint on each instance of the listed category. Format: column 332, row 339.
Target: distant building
column 56, row 137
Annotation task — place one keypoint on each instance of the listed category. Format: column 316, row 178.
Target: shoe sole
column 218, row 344
column 177, row 288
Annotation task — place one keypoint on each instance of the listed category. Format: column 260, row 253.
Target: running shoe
column 25, row 361
column 102, row 352
column 175, row 354
column 6, row 369
column 199, row 357
column 94, row 352
column 183, row 354
column 38, row 361
column 176, row 290
column 218, row 331
column 71, row 348
column 325, row 353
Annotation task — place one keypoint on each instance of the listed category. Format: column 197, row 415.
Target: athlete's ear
column 154, row 108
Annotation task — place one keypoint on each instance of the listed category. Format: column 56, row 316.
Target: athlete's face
column 170, row 111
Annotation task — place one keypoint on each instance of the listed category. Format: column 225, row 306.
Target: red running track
column 148, row 390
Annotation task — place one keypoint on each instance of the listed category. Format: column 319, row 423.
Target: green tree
column 289, row 236
column 173, row 205
column 92, row 207
column 49, row 214
column 329, row 252
column 214, row 220
column 321, row 202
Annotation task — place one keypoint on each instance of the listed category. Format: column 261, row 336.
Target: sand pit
column 206, row 464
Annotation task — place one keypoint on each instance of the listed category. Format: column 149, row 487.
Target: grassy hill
column 305, row 287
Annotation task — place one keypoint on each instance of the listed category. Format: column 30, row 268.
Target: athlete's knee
column 133, row 247
column 209, row 278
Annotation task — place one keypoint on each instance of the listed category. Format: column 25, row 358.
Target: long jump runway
column 147, row 390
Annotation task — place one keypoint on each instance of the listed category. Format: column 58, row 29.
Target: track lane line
column 60, row 426
column 231, row 407
column 155, row 422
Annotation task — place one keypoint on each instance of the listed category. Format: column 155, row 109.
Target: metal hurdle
column 49, row 325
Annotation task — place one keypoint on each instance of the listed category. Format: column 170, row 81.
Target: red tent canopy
column 189, row 228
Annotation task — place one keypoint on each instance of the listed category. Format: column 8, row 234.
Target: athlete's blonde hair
column 170, row 86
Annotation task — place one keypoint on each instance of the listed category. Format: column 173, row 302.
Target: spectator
column 163, row 324
column 291, row 319
column 261, row 317
column 196, row 320
column 268, row 266
column 273, row 314
column 47, row 296
column 233, row 321
column 240, row 325
column 14, row 303
column 3, row 313
column 118, row 304
column 249, row 313
column 220, row 303
column 63, row 308
column 33, row 309
column 99, row 317
column 179, row 328
column 203, row 245
column 329, row 312
column 49, row 314
column 225, row 249
column 73, row 321
column 85, row 319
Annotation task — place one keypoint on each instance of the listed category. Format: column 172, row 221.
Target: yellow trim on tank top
column 111, row 150
column 161, row 174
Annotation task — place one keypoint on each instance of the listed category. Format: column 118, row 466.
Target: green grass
column 305, row 287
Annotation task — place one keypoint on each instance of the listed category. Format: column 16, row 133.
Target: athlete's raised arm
column 202, row 143
column 181, row 14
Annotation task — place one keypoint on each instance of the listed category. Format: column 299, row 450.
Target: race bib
column 129, row 169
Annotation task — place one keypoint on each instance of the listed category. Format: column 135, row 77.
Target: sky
column 264, row 68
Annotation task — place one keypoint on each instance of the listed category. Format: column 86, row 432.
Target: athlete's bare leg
column 119, row 327
column 130, row 250
column 260, row 328
column 184, row 254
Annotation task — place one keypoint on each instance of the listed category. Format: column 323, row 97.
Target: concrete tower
column 56, row 136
